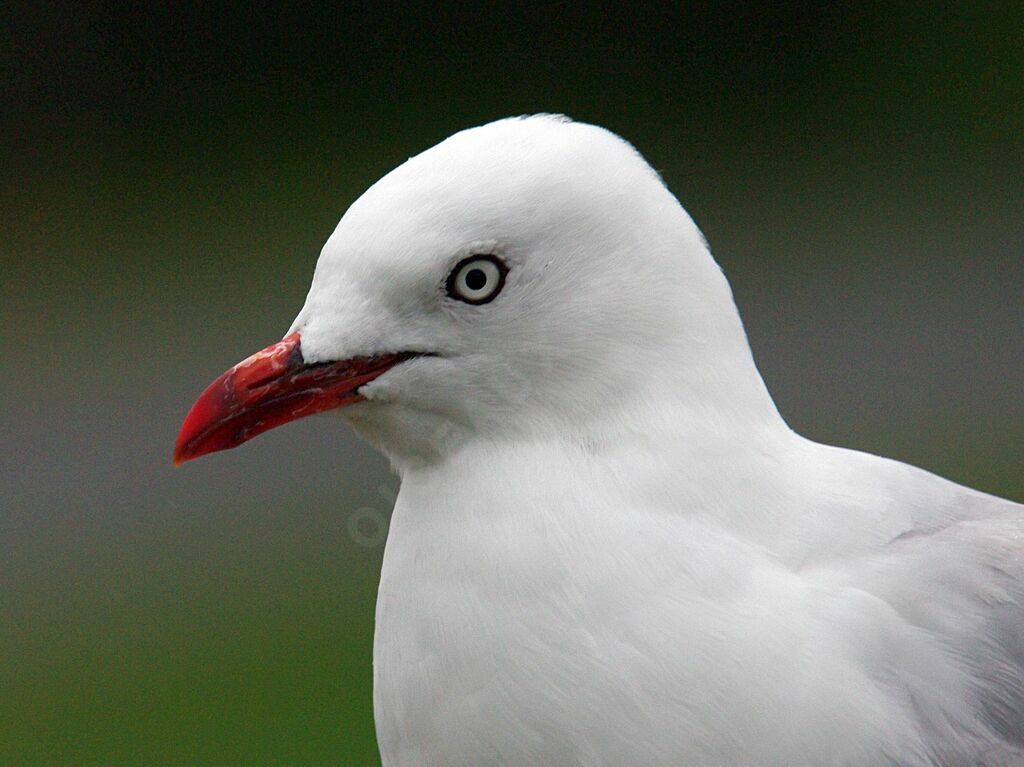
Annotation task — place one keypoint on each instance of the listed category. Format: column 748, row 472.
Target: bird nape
column 609, row 548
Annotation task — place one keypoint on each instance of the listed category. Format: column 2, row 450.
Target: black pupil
column 475, row 279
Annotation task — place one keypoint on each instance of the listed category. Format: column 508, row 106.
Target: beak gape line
column 272, row 387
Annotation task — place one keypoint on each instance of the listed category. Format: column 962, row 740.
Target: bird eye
column 477, row 279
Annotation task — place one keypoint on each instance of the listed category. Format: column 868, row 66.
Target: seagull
column 609, row 549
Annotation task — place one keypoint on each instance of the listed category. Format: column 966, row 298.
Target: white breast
column 536, row 616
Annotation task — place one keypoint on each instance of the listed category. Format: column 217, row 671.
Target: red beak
column 270, row 388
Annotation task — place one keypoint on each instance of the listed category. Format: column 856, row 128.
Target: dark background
column 168, row 175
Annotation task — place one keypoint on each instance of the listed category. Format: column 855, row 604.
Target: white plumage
column 608, row 548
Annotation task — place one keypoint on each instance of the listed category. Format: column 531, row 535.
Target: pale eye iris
column 477, row 279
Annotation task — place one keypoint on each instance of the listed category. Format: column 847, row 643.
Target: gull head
column 531, row 278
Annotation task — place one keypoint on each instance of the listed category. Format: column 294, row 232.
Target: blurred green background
column 169, row 173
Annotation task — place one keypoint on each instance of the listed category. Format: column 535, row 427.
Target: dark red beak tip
column 222, row 415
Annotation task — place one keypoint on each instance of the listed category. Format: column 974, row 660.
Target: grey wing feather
column 961, row 586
